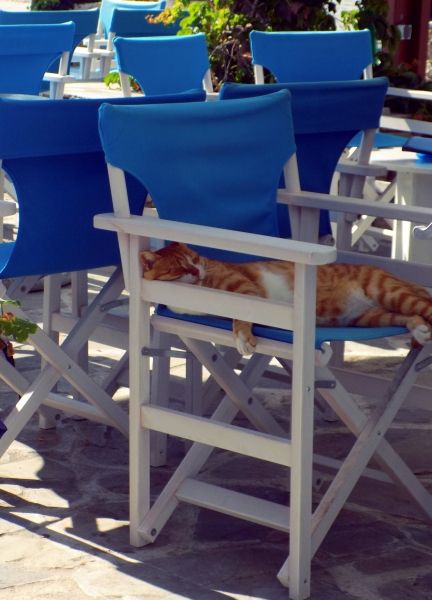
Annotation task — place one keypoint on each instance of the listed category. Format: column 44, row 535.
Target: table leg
column 413, row 190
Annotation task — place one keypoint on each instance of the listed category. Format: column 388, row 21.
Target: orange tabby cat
column 347, row 295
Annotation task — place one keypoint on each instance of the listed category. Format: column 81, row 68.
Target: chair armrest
column 274, row 313
column 7, row 209
column 95, row 53
column 352, row 168
column 415, row 214
column 56, row 77
column 410, row 126
column 423, row 232
column 407, row 93
column 224, row 239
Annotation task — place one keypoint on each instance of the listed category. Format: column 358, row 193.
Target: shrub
column 52, row 4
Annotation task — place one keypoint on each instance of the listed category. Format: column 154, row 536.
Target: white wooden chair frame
column 60, row 362
column 309, row 370
column 87, row 53
column 58, row 80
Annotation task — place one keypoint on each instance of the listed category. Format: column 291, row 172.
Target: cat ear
column 147, row 259
column 194, row 255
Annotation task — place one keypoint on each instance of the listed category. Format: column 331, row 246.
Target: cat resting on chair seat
column 347, row 295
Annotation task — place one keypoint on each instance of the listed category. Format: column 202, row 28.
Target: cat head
column 173, row 262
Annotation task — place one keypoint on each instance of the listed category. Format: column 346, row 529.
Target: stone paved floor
column 64, row 511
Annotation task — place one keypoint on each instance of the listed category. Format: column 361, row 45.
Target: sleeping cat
column 347, row 295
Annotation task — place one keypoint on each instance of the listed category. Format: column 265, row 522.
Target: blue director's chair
column 225, row 162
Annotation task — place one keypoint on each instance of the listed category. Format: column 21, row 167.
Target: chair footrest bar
column 221, row 435
column 76, row 407
column 236, row 504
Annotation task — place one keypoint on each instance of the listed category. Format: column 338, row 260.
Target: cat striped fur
column 347, row 295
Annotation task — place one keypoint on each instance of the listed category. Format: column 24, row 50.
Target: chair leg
column 51, row 303
column 61, row 365
column 86, row 67
column 390, row 462
column 160, row 377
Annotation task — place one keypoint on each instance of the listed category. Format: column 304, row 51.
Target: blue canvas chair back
column 107, row 7
column 224, row 159
column 52, row 153
column 326, row 116
column 134, row 23
column 164, row 65
column 85, row 20
column 312, row 55
column 28, row 51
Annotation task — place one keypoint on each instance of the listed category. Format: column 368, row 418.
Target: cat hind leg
column 244, row 338
column 419, row 328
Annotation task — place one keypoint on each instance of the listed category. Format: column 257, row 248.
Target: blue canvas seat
column 51, row 151
column 164, row 64
column 225, row 162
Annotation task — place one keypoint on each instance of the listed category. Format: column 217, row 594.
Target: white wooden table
column 414, row 188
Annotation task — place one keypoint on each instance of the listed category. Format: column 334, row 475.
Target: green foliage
column 227, row 24
column 373, row 15
column 61, row 4
column 13, row 327
column 112, row 80
column 51, row 4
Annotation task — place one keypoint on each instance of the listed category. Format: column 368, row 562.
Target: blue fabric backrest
column 214, row 163
column 326, row 116
column 85, row 20
column 164, row 65
column 107, row 7
column 27, row 51
column 134, row 23
column 51, row 151
column 312, row 55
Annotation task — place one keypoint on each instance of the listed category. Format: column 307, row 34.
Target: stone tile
column 410, row 588
column 394, row 559
column 354, row 536
column 420, row 533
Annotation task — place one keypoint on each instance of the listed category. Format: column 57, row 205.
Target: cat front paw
column 244, row 338
column 422, row 334
column 245, row 343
